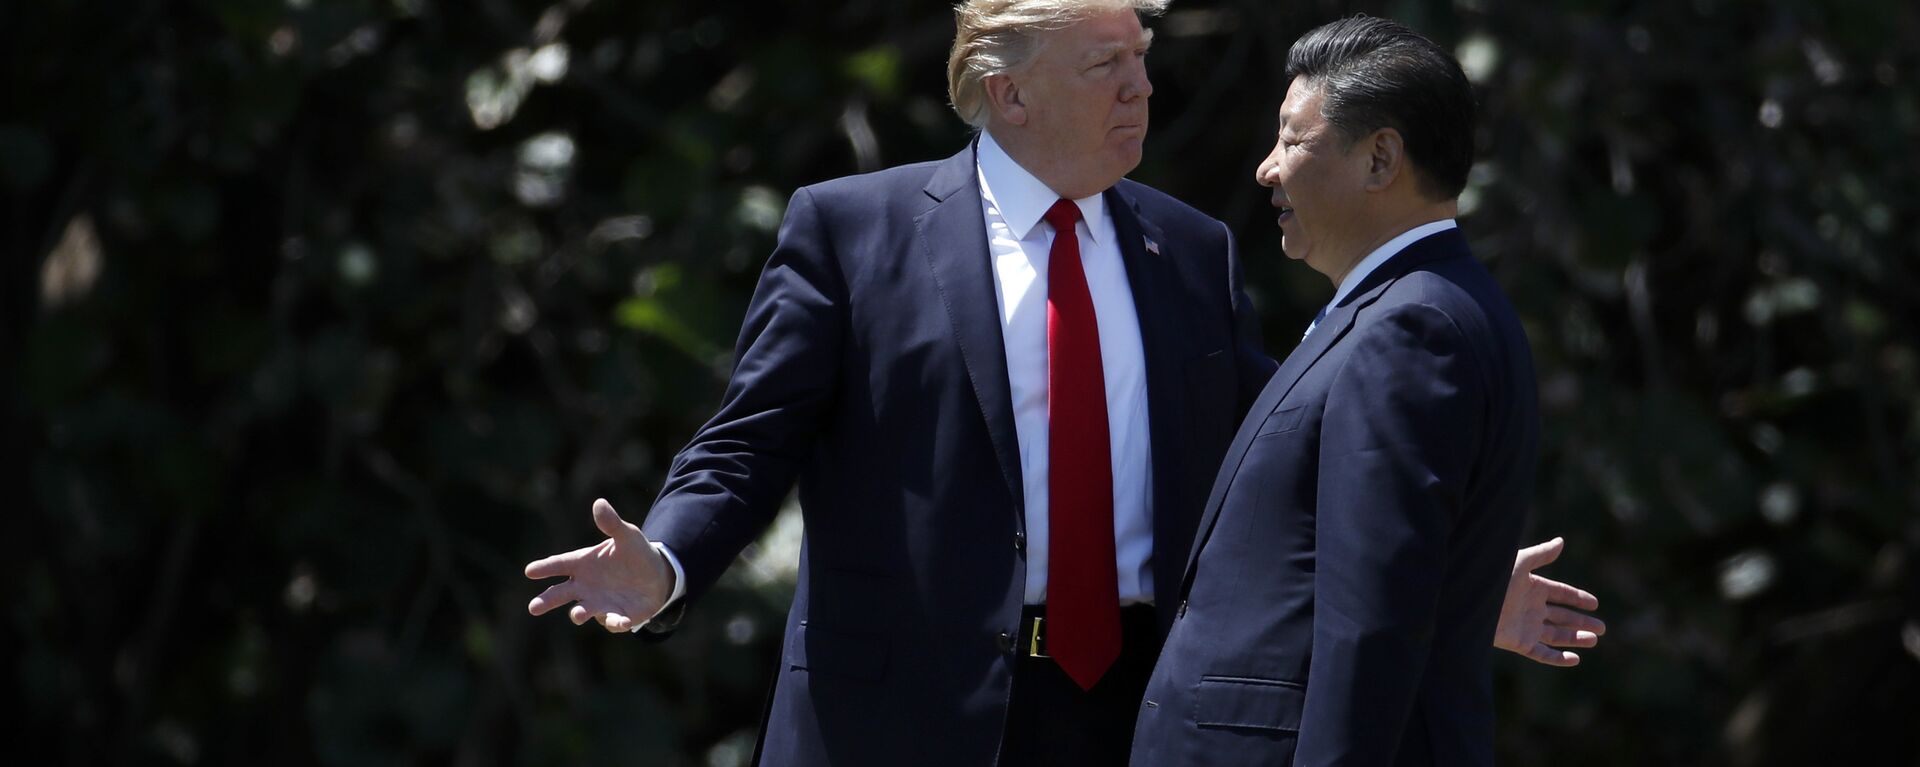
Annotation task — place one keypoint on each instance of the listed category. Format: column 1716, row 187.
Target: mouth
column 1286, row 214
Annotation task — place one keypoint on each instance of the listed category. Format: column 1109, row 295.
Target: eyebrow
column 1146, row 41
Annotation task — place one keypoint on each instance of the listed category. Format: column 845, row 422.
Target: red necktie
column 1083, row 598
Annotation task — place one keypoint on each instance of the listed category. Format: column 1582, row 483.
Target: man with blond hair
column 1003, row 382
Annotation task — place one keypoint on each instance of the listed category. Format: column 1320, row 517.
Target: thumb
column 610, row 523
column 1540, row 554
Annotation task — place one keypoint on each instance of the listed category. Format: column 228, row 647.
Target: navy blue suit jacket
column 1353, row 555
column 870, row 369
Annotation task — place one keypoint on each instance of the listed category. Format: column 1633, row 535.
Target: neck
column 1392, row 224
column 1058, row 173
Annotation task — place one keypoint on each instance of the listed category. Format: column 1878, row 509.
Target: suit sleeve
column 1250, row 355
column 724, row 488
column 1398, row 437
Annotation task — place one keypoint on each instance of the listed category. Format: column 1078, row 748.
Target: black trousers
column 1052, row 722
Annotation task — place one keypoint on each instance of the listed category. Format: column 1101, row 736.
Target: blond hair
column 998, row 36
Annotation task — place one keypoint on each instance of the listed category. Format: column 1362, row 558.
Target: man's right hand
column 1536, row 618
column 620, row 582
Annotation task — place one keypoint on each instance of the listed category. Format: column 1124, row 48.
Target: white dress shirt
column 1379, row 256
column 1014, row 203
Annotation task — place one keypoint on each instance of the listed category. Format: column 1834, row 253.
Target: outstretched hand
column 620, row 582
column 1535, row 619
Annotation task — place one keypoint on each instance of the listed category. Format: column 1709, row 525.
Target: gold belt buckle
column 1037, row 640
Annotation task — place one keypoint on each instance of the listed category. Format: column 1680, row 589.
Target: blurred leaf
column 877, row 70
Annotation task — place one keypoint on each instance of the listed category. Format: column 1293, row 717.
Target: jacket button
column 1020, row 542
column 1005, row 642
column 1182, row 613
column 1151, row 704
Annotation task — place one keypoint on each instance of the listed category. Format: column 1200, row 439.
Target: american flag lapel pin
column 1152, row 247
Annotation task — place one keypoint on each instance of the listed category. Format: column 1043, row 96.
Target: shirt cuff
column 679, row 585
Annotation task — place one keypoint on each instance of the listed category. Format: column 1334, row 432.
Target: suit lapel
column 1310, row 350
column 1148, row 274
column 952, row 234
column 1331, row 330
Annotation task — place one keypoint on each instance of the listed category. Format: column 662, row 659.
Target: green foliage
column 321, row 318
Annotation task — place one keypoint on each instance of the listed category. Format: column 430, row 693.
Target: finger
column 610, row 523
column 1540, row 653
column 558, row 564
column 616, row 623
column 1561, row 616
column 1563, row 594
column 1539, row 555
column 556, row 595
column 579, row 615
column 1560, row 636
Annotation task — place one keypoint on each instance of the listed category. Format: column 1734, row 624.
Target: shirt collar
column 1381, row 254
column 1023, row 200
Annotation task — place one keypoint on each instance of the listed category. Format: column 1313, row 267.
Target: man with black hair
column 1349, row 566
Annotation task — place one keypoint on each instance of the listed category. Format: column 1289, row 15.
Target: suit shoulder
column 1438, row 289
column 1424, row 314
column 1452, row 286
column 1454, row 298
column 1164, row 208
column 873, row 186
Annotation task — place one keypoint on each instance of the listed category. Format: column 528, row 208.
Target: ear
column 1386, row 158
column 1006, row 99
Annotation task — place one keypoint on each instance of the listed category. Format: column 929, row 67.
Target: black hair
column 1375, row 73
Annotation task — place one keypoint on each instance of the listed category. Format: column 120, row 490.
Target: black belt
column 1139, row 628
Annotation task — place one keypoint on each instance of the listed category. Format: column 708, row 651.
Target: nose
column 1267, row 173
column 1139, row 86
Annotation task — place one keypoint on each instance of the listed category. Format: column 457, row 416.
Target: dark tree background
column 319, row 319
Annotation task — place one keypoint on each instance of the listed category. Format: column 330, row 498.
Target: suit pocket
column 857, row 655
column 851, row 600
column 1248, row 703
column 1282, row 421
column 846, row 631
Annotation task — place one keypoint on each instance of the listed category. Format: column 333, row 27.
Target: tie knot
column 1063, row 215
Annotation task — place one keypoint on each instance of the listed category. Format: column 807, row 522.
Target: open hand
column 1535, row 619
column 620, row 582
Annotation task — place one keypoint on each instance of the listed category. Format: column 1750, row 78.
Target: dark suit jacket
column 1351, row 562
column 871, row 369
